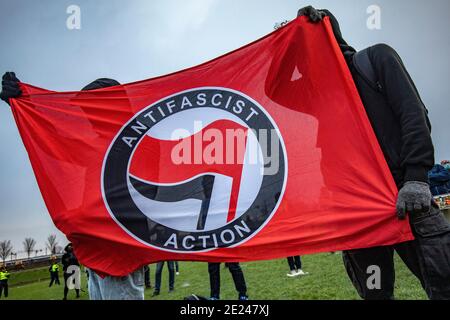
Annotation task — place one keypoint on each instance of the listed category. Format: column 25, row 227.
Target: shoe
column 156, row 293
column 214, row 298
column 301, row 273
column 171, row 290
column 292, row 274
column 243, row 298
column 177, row 273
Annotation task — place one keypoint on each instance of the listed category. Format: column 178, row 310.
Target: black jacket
column 397, row 113
column 69, row 259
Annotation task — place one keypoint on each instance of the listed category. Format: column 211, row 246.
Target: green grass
column 29, row 276
column 265, row 281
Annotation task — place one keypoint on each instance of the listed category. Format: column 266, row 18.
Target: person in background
column 446, row 165
column 238, row 278
column 86, row 270
column 177, row 268
column 147, row 281
column 129, row 287
column 70, row 260
column 439, row 178
column 158, row 273
column 295, row 266
column 104, row 287
column 4, row 277
column 54, row 272
column 101, row 287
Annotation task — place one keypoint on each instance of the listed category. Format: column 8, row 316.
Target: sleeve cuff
column 416, row 173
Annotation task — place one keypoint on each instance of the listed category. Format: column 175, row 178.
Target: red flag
column 263, row 153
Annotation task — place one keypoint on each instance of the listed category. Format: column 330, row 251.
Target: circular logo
column 196, row 171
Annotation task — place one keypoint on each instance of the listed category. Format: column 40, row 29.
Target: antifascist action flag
column 265, row 152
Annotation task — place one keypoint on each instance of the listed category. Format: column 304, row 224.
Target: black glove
column 414, row 198
column 10, row 87
column 313, row 14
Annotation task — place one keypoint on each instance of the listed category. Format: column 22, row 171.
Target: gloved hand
column 313, row 14
column 10, row 87
column 414, row 198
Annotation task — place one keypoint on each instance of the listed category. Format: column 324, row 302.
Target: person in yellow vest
column 54, row 273
column 4, row 276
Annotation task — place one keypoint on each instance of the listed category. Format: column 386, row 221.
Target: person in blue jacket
column 439, row 178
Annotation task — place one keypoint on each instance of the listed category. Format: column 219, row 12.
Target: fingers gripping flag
column 262, row 153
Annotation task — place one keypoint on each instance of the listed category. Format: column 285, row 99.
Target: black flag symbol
column 199, row 188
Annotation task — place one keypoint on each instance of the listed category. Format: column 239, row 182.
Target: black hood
column 347, row 50
column 101, row 83
column 67, row 246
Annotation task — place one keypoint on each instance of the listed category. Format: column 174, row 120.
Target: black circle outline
column 122, row 207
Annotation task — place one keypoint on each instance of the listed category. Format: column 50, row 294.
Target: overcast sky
column 138, row 39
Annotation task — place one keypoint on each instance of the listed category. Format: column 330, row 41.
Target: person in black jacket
column 70, row 268
column 439, row 178
column 401, row 125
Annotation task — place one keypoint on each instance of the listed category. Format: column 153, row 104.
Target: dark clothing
column 4, row 288
column 396, row 111
column 100, row 84
column 69, row 259
column 295, row 263
column 428, row 258
column 159, row 267
column 236, row 273
column 66, row 288
column 397, row 115
column 54, row 278
column 439, row 180
column 147, row 281
column 401, row 125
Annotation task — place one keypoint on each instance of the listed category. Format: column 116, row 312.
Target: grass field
column 265, row 280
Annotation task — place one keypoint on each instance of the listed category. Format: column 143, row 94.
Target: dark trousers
column 236, row 273
column 66, row 288
column 54, row 278
column 428, row 258
column 177, row 267
column 159, row 267
column 4, row 288
column 295, row 263
column 147, row 281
